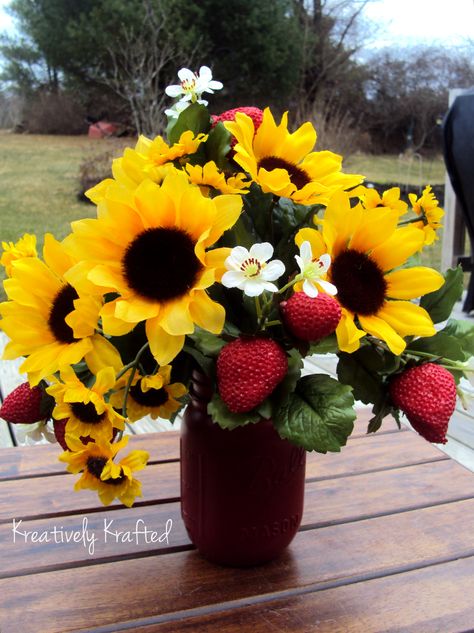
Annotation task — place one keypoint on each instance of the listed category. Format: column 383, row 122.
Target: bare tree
column 140, row 67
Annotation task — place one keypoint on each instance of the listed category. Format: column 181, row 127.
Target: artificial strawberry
column 311, row 318
column 248, row 370
column 59, row 427
column 23, row 405
column 229, row 115
column 427, row 395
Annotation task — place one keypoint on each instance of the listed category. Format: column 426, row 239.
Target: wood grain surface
column 386, row 544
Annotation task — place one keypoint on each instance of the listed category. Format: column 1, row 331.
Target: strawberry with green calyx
column 427, row 396
column 310, row 318
column 27, row 405
column 248, row 370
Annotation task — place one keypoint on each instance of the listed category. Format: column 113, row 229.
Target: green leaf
column 439, row 304
column 360, row 370
column 195, row 118
column 318, row 415
column 218, row 146
column 205, row 363
column 326, row 345
column 206, row 342
column 220, row 414
column 463, row 331
column 441, row 344
column 258, row 208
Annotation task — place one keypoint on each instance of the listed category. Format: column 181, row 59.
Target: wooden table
column 386, row 544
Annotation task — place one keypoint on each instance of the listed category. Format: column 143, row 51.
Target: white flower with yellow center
column 190, row 88
column 313, row 271
column 250, row 271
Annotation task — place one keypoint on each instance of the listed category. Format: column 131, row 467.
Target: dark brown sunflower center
column 150, row 398
column 63, row 304
column 360, row 283
column 86, row 413
column 160, row 264
column 297, row 175
column 95, row 465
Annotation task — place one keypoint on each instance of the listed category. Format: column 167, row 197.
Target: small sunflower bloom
column 209, row 176
column 250, row 270
column 24, row 247
column 313, row 272
column 152, row 395
column 86, row 410
column 371, row 199
column 427, row 207
column 150, row 248
column 46, row 318
column 283, row 163
column 111, row 480
column 367, row 250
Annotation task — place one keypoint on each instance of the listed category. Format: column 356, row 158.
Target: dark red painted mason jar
column 242, row 491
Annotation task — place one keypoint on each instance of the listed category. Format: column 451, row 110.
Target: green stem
column 258, row 308
column 133, row 366
column 289, row 284
column 270, row 323
column 413, row 220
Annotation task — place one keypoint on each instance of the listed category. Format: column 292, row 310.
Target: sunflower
column 283, row 163
column 209, row 176
column 150, row 395
column 87, row 412
column 101, row 473
column 366, row 247
column 427, row 207
column 25, row 247
column 150, row 248
column 371, row 199
column 47, row 320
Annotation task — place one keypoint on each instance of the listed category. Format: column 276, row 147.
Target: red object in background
column 242, row 490
column 102, row 129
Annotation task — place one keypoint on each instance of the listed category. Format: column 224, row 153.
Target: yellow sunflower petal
column 396, row 249
column 348, row 334
column 370, row 234
column 410, row 283
column 102, row 354
column 163, row 346
column 407, row 319
column 382, row 330
column 315, row 238
column 207, row 313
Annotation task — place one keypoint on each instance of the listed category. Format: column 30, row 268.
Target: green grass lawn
column 39, row 182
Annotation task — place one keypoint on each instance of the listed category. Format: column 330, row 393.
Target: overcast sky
column 399, row 22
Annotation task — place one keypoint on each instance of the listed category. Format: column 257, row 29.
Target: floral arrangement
column 234, row 247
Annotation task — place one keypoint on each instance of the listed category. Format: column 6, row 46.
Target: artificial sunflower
column 366, row 249
column 149, row 247
column 371, row 199
column 284, row 164
column 47, row 320
column 101, row 473
column 209, row 176
column 151, row 159
column 25, row 247
column 427, row 207
column 150, row 395
column 86, row 410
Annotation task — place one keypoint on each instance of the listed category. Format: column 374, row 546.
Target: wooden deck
column 386, row 544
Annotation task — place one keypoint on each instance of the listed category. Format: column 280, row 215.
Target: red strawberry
column 311, row 319
column 248, row 370
column 23, row 405
column 229, row 115
column 427, row 395
column 59, row 427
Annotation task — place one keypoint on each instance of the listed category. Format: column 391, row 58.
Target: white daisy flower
column 193, row 85
column 250, row 271
column 313, row 270
column 36, row 433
